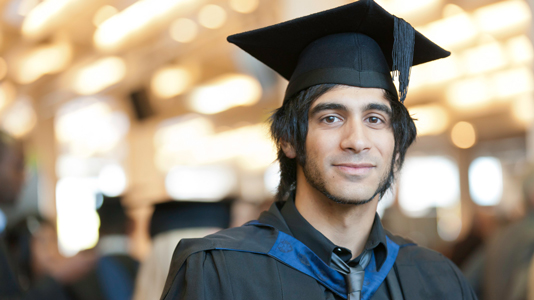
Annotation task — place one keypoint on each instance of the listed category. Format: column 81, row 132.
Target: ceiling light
column 469, row 93
column 224, row 93
column 48, row 59
column 19, row 118
column 137, row 21
column 519, row 49
column 503, row 16
column 244, row 6
column 171, row 81
column 212, row 16
column 50, row 14
column 463, row 135
column 522, row 108
column 99, row 75
column 183, row 30
column 104, row 13
column 512, row 82
column 452, row 32
column 430, row 119
column 484, row 58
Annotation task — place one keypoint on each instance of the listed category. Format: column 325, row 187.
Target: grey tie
column 353, row 275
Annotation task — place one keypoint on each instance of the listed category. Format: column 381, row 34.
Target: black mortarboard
column 113, row 218
column 180, row 215
column 357, row 44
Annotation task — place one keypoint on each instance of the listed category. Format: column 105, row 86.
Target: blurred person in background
column 342, row 133
column 501, row 270
column 171, row 222
column 51, row 269
column 114, row 272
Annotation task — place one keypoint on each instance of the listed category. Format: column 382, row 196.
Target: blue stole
column 298, row 256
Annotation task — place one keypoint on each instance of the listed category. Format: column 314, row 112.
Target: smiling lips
column 355, row 169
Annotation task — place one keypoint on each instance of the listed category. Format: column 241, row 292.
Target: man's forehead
column 353, row 97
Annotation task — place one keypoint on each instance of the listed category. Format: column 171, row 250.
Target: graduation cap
column 358, row 44
column 174, row 215
column 113, row 218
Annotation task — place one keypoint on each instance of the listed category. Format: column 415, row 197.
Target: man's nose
column 355, row 137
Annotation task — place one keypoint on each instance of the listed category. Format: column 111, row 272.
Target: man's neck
column 346, row 225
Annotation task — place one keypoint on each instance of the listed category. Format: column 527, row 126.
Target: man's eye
column 331, row 119
column 375, row 120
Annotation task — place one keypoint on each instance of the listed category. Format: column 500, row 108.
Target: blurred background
column 145, row 101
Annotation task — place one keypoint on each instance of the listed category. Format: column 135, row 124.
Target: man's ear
column 289, row 150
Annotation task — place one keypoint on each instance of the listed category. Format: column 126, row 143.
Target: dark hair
column 289, row 124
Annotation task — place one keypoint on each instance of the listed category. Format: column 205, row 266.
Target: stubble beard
column 313, row 177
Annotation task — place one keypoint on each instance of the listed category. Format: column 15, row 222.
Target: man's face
column 349, row 145
column 12, row 173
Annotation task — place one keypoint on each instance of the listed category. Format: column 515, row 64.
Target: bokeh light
column 427, row 182
column 463, row 135
column 244, row 6
column 486, row 181
column 212, row 16
column 183, row 30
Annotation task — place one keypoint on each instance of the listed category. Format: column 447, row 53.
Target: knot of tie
column 353, row 275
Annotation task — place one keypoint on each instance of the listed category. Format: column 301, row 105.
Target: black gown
column 263, row 260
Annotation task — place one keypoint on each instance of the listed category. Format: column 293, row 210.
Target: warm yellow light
column 43, row 60
column 19, row 118
column 452, row 10
column 512, row 82
column 224, row 93
column 171, row 81
column 463, row 135
column 135, row 22
column 441, row 70
column 451, row 32
column 99, row 75
column 523, row 109
column 183, row 30
column 249, row 146
column 88, row 126
column 170, row 136
column 484, row 58
column 469, row 93
column 519, row 49
column 104, row 13
column 48, row 14
column 212, row 16
column 7, row 94
column 409, row 8
column 244, row 6
column 430, row 119
column 503, row 16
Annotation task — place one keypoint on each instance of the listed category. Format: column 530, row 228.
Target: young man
column 342, row 134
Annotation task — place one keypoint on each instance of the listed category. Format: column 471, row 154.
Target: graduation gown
column 262, row 260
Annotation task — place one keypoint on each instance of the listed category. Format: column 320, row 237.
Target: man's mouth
column 355, row 168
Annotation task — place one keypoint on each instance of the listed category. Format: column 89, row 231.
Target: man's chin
column 349, row 199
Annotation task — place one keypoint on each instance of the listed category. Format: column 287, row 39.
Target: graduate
column 342, row 133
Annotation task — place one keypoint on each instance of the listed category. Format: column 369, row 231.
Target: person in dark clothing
column 55, row 269
column 113, row 276
column 342, row 133
column 171, row 222
column 500, row 269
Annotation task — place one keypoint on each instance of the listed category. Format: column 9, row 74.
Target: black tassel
column 403, row 47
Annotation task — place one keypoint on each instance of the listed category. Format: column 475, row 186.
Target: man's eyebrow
column 327, row 106
column 378, row 106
